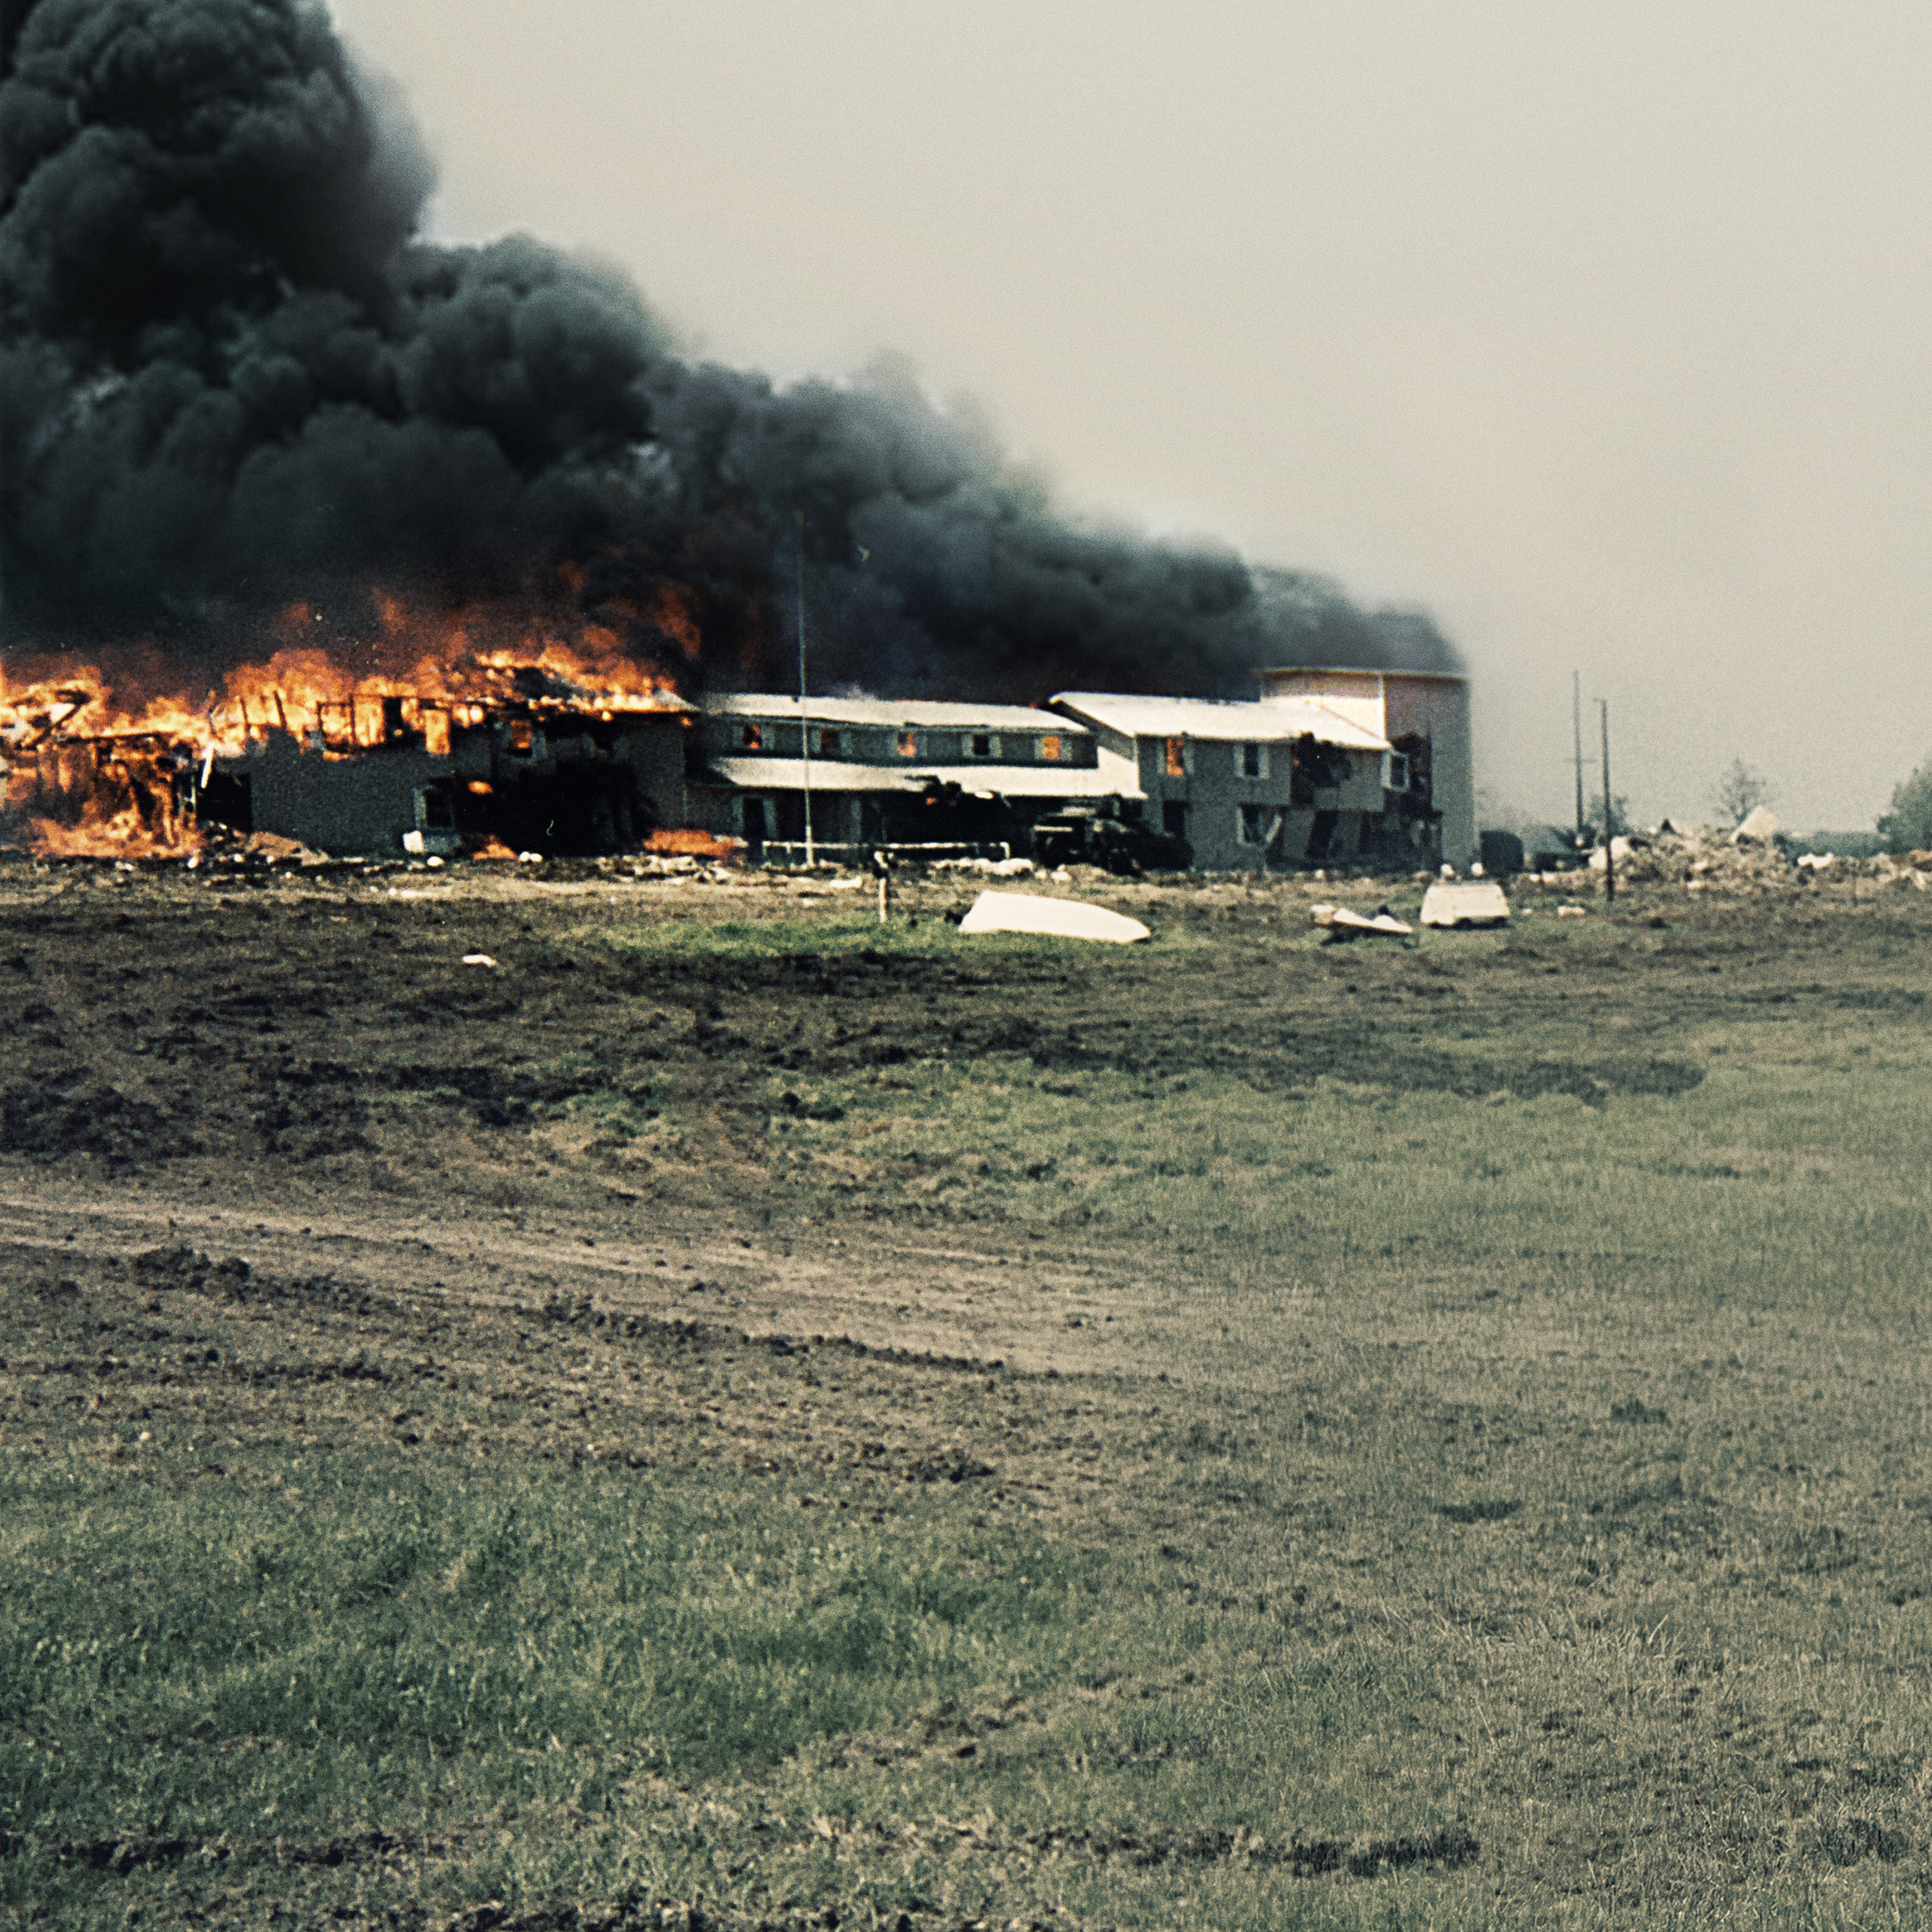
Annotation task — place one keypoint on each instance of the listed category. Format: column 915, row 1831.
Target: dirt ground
column 298, row 1070
column 277, row 1167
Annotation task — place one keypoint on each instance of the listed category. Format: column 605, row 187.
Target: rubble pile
column 1751, row 859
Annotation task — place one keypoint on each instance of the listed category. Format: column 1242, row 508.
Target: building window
column 1251, row 824
column 1177, row 757
column 1049, row 750
column 751, row 738
column 1251, row 761
column 908, row 744
column 1395, row 771
column 982, row 745
column 522, row 739
column 1173, row 818
column 828, row 744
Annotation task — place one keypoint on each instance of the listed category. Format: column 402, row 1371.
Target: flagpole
column 804, row 728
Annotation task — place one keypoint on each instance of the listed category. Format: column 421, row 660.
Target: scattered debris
column 1062, row 919
column 995, row 868
column 274, row 848
column 477, row 959
column 1572, row 911
column 1464, row 903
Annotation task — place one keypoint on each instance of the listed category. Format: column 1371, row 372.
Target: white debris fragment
column 1465, row 902
column 990, row 868
column 1061, row 919
column 1345, row 922
column 477, row 959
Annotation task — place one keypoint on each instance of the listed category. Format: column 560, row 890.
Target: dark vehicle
column 1097, row 835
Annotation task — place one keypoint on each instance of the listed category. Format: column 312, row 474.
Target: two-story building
column 1247, row 785
column 1430, row 811
column 880, row 771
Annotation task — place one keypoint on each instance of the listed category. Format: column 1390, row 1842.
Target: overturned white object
column 1345, row 922
column 1061, row 919
column 1465, row 902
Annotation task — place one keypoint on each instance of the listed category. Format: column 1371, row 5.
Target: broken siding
column 561, row 783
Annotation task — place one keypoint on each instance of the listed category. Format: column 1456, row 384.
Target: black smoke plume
column 232, row 377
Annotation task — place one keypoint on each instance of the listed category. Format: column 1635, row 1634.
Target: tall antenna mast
column 1577, row 731
column 804, row 728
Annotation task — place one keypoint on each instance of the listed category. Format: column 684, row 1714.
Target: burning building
column 489, row 753
column 236, row 380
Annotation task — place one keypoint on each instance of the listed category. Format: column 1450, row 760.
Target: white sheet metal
column 1059, row 918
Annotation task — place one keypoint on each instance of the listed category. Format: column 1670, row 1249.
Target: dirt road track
column 1004, row 1298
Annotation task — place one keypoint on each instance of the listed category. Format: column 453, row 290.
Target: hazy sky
column 1601, row 332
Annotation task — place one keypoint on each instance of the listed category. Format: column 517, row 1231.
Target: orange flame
column 84, row 775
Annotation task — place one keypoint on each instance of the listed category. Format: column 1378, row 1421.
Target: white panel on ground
column 1465, row 902
column 1063, row 919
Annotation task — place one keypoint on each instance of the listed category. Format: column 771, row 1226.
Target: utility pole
column 804, row 727
column 1610, row 820
column 1576, row 732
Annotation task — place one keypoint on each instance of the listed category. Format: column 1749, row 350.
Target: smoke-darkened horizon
column 234, row 377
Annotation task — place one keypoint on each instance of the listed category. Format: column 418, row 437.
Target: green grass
column 1560, row 1469
column 432, row 1647
column 1786, row 1178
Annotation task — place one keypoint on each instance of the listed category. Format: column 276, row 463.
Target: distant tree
column 1907, row 827
column 1740, row 792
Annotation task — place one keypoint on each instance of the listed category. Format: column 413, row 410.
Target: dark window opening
column 1314, row 766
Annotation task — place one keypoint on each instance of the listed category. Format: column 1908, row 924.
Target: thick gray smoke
column 231, row 377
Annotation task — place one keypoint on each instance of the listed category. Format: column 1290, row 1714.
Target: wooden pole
column 1609, row 821
column 804, row 725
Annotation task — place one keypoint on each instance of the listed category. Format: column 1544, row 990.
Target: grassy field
column 1494, row 1493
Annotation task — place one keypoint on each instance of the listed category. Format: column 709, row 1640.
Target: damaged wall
column 562, row 784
